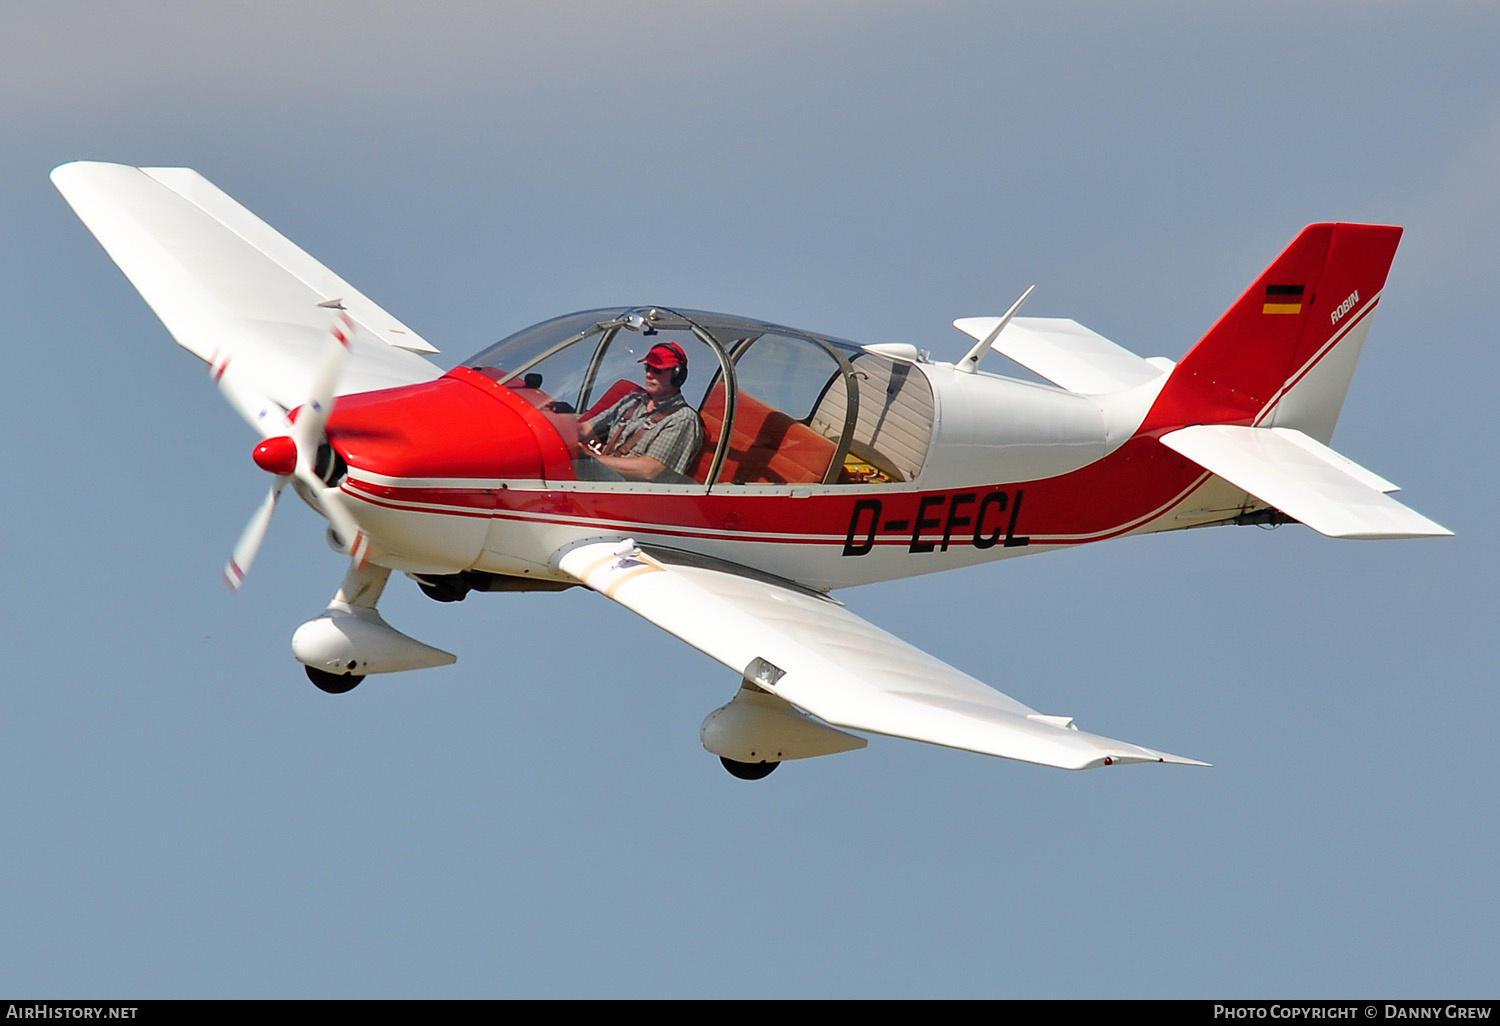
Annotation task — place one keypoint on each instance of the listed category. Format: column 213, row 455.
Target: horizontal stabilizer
column 1304, row 479
column 1066, row 353
column 812, row 652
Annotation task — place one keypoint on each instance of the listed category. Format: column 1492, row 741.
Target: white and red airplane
column 822, row 463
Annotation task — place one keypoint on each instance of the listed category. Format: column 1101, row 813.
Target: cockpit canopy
column 778, row 406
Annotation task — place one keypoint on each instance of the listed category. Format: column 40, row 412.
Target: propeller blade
column 306, row 434
column 255, row 532
column 309, row 425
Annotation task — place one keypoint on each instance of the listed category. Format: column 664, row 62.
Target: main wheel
column 333, row 683
column 749, row 770
column 444, row 589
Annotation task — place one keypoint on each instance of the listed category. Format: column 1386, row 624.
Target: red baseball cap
column 664, row 355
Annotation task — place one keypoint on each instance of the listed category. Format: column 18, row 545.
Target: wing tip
column 73, row 168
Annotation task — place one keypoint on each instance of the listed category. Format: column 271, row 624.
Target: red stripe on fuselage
column 1112, row 496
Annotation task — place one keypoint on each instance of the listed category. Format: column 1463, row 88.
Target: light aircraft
column 815, row 463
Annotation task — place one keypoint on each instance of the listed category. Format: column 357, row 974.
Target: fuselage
column 474, row 471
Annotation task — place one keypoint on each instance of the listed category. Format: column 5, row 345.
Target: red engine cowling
column 461, row 426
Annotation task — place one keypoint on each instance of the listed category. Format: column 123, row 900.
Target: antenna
column 971, row 361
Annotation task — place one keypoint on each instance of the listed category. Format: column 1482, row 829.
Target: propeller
column 289, row 450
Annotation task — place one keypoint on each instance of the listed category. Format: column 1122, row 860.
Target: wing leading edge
column 812, row 652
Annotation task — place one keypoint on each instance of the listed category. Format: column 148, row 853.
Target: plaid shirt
column 671, row 434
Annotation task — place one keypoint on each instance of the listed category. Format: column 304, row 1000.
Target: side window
column 780, row 382
column 612, row 409
column 789, row 374
column 618, row 368
column 893, row 427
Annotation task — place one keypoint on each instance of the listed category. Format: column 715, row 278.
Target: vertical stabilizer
column 1283, row 354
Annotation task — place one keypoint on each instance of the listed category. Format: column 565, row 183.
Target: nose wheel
column 333, row 683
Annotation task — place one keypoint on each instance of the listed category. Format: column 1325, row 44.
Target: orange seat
column 767, row 447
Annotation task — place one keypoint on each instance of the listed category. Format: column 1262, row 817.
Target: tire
column 333, row 683
column 749, row 770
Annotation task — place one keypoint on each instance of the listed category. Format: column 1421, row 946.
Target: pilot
column 652, row 435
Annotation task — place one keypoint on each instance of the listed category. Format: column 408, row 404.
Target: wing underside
column 812, row 652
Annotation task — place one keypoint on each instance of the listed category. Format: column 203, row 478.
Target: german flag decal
column 1283, row 299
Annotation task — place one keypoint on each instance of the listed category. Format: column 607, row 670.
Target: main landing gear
column 743, row 770
column 333, row 683
column 758, row 731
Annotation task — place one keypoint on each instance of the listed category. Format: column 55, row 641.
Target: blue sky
column 185, row 816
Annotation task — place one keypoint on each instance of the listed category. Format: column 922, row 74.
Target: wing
column 1067, row 354
column 811, row 651
column 231, row 289
column 1303, row 478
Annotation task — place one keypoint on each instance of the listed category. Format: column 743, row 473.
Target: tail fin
column 1282, row 356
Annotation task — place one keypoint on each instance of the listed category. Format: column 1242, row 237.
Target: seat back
column 767, row 446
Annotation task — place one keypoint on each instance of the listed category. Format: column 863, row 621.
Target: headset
column 680, row 371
